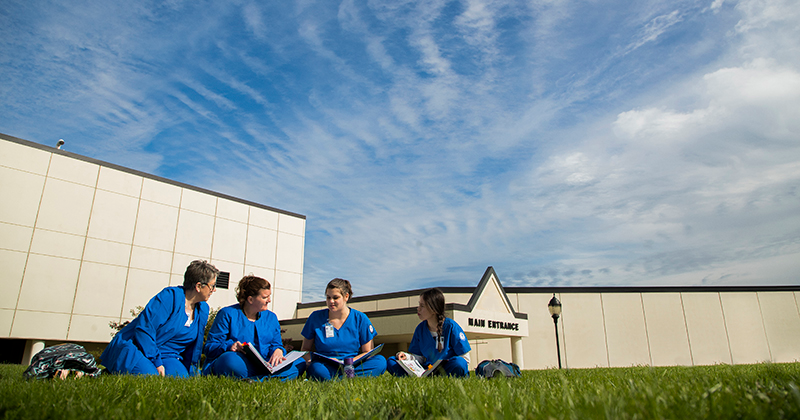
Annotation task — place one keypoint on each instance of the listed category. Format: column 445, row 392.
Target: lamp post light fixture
column 554, row 306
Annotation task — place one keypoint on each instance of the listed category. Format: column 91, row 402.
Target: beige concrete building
column 82, row 242
column 599, row 326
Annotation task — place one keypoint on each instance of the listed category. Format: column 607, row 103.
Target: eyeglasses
column 213, row 287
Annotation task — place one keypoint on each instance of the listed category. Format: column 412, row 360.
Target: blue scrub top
column 159, row 332
column 455, row 342
column 356, row 331
column 183, row 338
column 231, row 325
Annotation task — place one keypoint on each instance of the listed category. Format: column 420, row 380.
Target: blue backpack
column 497, row 368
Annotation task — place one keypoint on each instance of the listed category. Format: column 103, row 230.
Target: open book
column 356, row 362
column 413, row 368
column 256, row 358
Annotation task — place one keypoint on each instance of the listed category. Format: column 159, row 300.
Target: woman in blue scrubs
column 167, row 336
column 435, row 338
column 248, row 321
column 340, row 332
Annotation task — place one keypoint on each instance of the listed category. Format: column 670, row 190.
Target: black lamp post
column 554, row 306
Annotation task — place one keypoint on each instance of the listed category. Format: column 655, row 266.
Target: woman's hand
column 401, row 355
column 237, row 346
column 308, row 346
column 161, row 370
column 277, row 357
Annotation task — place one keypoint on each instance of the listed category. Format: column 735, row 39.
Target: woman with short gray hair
column 166, row 338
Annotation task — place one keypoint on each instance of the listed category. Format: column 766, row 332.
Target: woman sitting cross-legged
column 248, row 321
column 435, row 338
column 339, row 332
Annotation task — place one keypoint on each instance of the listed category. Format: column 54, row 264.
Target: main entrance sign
column 502, row 325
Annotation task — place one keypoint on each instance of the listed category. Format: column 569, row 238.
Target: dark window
column 223, row 279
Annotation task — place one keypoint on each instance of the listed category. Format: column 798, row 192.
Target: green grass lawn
column 710, row 392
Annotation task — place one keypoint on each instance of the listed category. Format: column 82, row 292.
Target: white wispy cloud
column 251, row 14
column 562, row 142
column 653, row 29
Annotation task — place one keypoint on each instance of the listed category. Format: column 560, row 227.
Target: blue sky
column 565, row 143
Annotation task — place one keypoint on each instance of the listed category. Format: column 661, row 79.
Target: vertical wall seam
column 214, row 230
column 175, row 239
column 686, row 326
column 646, row 331
column 764, row 326
column 563, row 336
column 725, row 324
column 83, row 252
column 130, row 254
column 605, row 330
column 213, row 235
column 303, row 258
column 246, row 241
column 275, row 259
column 30, row 244
column 794, row 294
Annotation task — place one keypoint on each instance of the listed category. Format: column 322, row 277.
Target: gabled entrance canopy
column 489, row 313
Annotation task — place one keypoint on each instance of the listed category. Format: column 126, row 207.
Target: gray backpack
column 497, row 368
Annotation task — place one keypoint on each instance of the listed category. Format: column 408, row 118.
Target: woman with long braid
column 435, row 338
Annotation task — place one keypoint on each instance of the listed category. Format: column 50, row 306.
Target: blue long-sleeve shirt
column 231, row 325
column 159, row 332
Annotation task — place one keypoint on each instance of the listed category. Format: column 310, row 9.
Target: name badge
column 328, row 330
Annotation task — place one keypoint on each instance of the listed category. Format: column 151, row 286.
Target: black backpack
column 66, row 356
column 497, row 368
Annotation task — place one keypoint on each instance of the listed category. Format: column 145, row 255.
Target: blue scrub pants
column 172, row 367
column 237, row 365
column 321, row 370
column 456, row 366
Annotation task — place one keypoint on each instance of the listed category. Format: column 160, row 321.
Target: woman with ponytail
column 341, row 332
column 435, row 338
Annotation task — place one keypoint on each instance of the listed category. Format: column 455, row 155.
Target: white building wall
column 607, row 329
column 745, row 327
column 83, row 242
column 626, row 330
column 666, row 331
column 781, row 324
column 705, row 321
column 582, row 331
column 604, row 327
